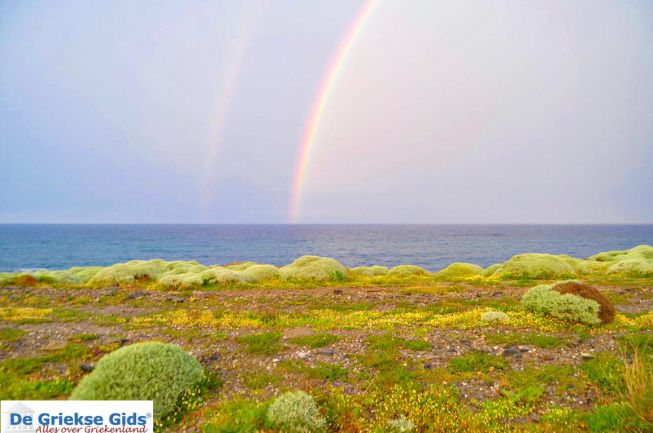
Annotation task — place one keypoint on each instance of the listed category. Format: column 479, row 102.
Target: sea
column 60, row 246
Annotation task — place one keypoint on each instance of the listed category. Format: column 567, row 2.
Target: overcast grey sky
column 443, row 111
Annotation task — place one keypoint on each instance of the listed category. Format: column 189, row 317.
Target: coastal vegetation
column 313, row 270
column 536, row 344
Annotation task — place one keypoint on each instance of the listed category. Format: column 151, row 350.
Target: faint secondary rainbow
column 320, row 102
column 224, row 98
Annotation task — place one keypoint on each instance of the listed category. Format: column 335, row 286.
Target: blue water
column 430, row 246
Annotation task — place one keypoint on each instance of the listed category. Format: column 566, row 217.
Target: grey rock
column 511, row 351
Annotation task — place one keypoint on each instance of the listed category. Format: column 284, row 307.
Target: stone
column 86, row 367
column 511, row 351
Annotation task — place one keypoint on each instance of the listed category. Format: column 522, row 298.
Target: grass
column 477, row 361
column 527, row 339
column 264, row 343
column 7, row 335
column 638, row 378
column 386, row 342
column 606, row 371
column 314, row 341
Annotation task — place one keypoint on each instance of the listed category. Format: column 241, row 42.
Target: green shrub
column 494, row 316
column 295, row 412
column 492, row 269
column 371, row 271
column 459, row 271
column 260, row 272
column 240, row 266
column 183, row 267
column 314, row 268
column 543, row 299
column 135, row 270
column 84, row 274
column 643, row 251
column 407, row 271
column 143, row 371
column 637, row 261
column 632, row 267
column 185, row 281
column 217, row 275
column 536, row 266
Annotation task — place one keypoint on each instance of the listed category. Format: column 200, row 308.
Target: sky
column 339, row 111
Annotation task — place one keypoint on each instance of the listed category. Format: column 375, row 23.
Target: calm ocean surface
column 430, row 246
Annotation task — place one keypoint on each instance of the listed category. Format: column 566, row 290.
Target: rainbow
column 320, row 102
column 224, row 98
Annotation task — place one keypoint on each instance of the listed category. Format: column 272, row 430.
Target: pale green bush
column 641, row 251
column 407, row 271
column 591, row 267
column 536, row 265
column 240, row 266
column 492, row 269
column 54, row 277
column 84, row 274
column 314, row 268
column 260, row 272
column 401, row 424
column 143, row 371
column 183, row 267
column 6, row 278
column 494, row 316
column 632, row 267
column 543, row 299
column 371, row 271
column 217, row 275
column 295, row 412
column 123, row 273
column 459, row 271
column 637, row 261
column 187, row 281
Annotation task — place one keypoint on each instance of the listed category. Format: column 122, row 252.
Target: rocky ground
column 363, row 346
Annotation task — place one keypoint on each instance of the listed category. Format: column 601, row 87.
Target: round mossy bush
column 606, row 309
column 459, row 271
column 370, row 271
column 537, row 266
column 143, row 371
column 295, row 412
column 494, row 316
column 314, row 268
column 407, row 271
column 544, row 300
column 258, row 272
